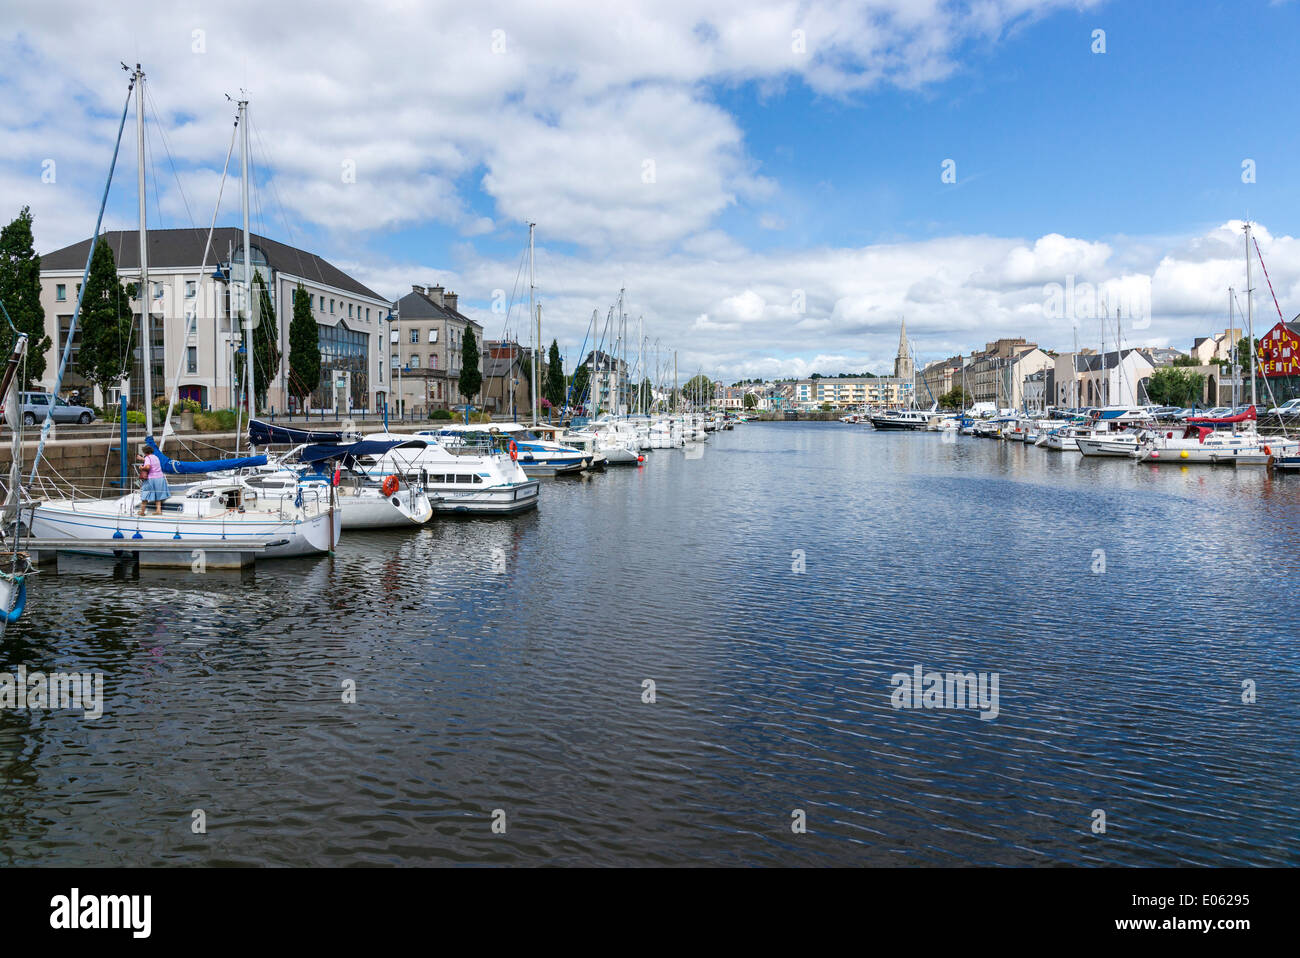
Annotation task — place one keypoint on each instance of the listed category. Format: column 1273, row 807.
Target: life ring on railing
column 514, row 451
column 1268, row 451
column 389, row 486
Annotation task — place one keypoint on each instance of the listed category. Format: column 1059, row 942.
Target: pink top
column 154, row 466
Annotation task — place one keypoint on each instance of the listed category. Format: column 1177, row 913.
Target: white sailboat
column 212, row 508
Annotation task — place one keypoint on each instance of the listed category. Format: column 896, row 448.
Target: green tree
column 750, row 401
column 1175, row 387
column 698, row 389
column 470, row 376
column 578, row 386
column 956, row 398
column 553, row 387
column 266, row 341
column 1185, row 361
column 647, row 395
column 20, row 290
column 304, row 348
column 106, row 323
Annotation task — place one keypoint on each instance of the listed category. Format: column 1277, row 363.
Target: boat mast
column 146, row 299
column 1236, row 359
column 536, row 317
column 1250, row 315
column 248, row 258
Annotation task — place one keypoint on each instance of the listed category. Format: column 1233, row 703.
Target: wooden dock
column 195, row 554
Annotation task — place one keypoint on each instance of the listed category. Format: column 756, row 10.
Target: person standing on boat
column 154, row 487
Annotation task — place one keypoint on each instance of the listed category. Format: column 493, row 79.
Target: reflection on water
column 499, row 664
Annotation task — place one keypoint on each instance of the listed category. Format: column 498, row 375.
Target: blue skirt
column 154, row 490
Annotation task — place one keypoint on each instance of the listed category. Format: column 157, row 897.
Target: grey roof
column 181, row 248
column 416, row 306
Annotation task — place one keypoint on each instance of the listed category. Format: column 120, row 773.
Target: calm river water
column 499, row 670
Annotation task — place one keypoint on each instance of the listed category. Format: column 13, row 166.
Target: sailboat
column 208, row 509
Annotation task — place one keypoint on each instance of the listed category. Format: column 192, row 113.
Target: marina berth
column 394, row 502
column 1112, row 431
column 535, row 454
column 471, row 477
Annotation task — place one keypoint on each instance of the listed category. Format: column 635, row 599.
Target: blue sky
column 780, row 175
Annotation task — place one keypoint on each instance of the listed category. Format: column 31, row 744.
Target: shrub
column 440, row 414
column 219, row 420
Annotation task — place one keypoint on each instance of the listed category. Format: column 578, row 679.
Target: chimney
column 417, row 289
column 435, row 294
column 449, row 300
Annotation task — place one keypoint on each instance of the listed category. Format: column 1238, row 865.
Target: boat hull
column 313, row 535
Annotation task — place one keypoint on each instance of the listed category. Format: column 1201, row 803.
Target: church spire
column 903, row 368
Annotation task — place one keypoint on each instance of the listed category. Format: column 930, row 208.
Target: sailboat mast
column 146, row 298
column 536, row 317
column 1250, row 316
column 1236, row 359
column 248, row 258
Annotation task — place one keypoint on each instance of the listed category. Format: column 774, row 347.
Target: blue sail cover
column 176, row 467
column 327, row 451
column 264, row 434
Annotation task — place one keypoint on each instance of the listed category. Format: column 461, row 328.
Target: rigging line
column 275, row 192
column 198, row 292
column 162, row 136
column 85, row 279
column 1255, row 240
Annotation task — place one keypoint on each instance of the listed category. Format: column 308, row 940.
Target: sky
column 775, row 185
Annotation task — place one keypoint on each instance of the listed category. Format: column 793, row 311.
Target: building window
column 415, row 360
column 190, row 288
column 331, row 305
column 191, row 359
column 367, row 314
column 433, row 335
column 349, row 310
column 157, row 290
column 415, row 336
column 433, row 360
column 397, row 361
column 61, row 292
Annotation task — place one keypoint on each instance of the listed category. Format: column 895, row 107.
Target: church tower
column 903, row 368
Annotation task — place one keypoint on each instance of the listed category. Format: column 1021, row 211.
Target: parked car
column 35, row 407
column 1289, row 408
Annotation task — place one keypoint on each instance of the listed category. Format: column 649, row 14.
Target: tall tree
column 698, row 390
column 304, row 348
column 578, row 386
column 554, row 388
column 1173, row 386
column 20, row 290
column 266, row 341
column 471, row 378
column 106, row 323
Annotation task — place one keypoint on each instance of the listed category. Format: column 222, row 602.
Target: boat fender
column 338, row 477
column 389, row 486
column 514, row 451
column 14, row 614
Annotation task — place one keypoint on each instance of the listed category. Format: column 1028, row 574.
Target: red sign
column 1279, row 352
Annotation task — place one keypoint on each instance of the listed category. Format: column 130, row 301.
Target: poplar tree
column 470, row 376
column 106, row 323
column 20, row 290
column 304, row 349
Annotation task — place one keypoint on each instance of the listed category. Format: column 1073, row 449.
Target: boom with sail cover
column 264, row 434
column 177, row 467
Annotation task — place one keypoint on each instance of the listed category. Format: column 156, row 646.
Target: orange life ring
column 514, row 451
column 389, row 486
column 1268, row 451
